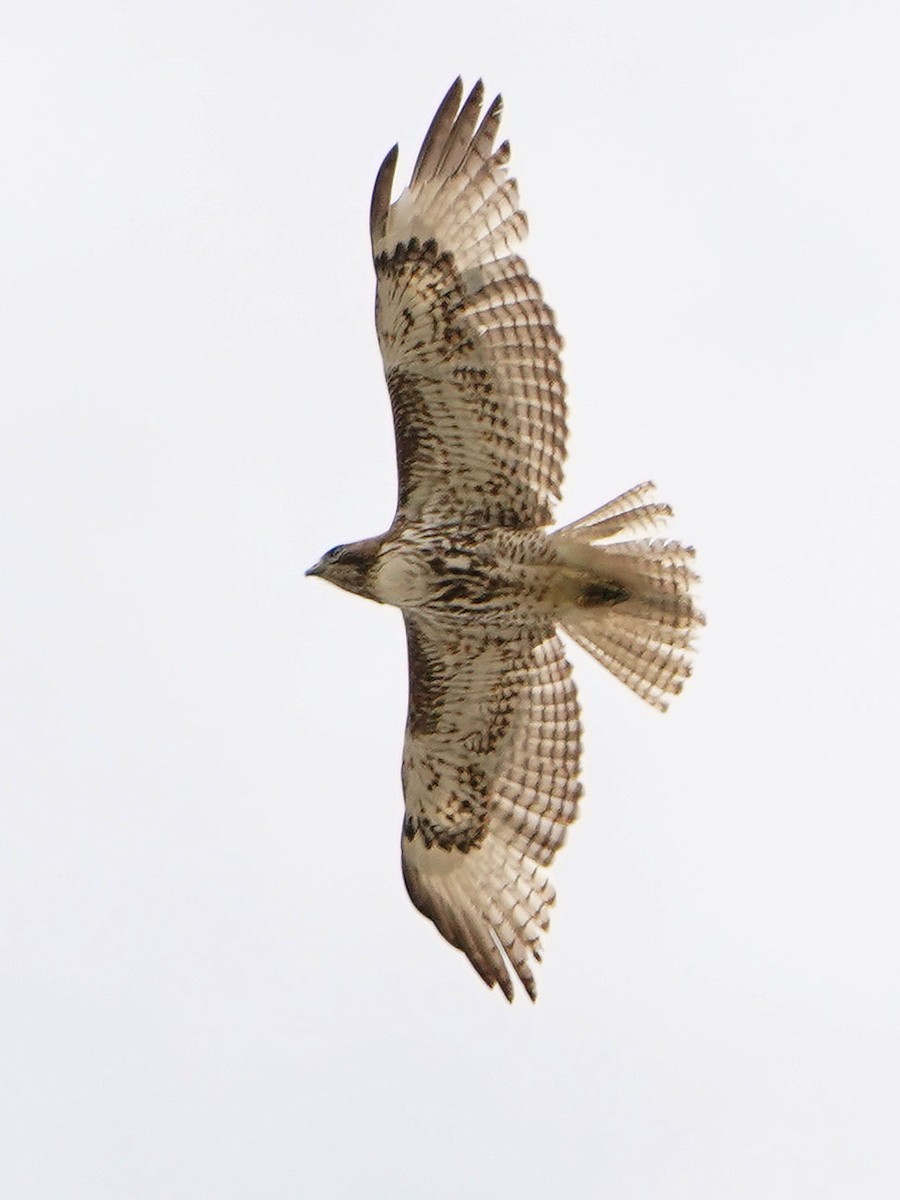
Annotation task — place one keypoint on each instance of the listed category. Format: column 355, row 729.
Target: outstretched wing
column 471, row 352
column 490, row 780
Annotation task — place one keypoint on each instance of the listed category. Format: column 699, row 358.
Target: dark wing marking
column 490, row 781
column 470, row 349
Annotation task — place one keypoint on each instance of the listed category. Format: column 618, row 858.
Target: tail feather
column 630, row 603
column 626, row 511
column 681, row 639
column 650, row 676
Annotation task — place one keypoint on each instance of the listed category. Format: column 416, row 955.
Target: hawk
column 493, row 734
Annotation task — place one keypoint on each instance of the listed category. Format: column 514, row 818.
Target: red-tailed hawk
column 493, row 737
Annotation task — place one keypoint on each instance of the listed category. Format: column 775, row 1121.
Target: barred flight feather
column 448, row 280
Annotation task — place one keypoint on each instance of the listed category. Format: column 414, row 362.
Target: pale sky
column 213, row 984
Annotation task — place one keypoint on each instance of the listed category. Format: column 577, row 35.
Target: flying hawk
column 493, row 736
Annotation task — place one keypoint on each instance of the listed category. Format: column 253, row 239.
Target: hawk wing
column 490, row 766
column 470, row 349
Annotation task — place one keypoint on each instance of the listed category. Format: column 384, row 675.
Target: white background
column 213, row 984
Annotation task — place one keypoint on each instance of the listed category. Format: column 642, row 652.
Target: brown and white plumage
column 490, row 771
column 493, row 737
column 471, row 353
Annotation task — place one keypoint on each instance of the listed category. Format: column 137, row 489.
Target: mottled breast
column 444, row 574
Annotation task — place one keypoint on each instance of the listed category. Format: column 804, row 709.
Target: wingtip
column 381, row 194
column 453, row 97
column 527, row 980
column 506, row 987
column 440, row 125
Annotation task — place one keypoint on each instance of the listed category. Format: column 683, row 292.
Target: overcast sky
column 213, row 983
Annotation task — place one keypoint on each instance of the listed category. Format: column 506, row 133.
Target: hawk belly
column 478, row 575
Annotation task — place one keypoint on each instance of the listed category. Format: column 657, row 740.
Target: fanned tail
column 629, row 603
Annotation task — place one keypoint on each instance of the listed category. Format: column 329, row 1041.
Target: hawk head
column 350, row 567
